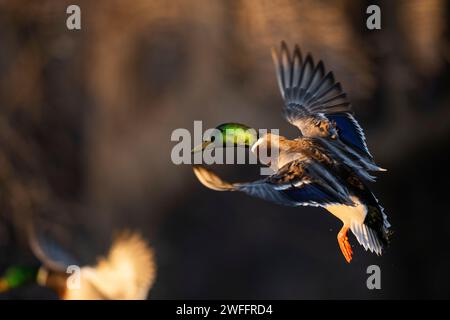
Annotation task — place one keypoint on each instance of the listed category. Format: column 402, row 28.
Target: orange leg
column 344, row 244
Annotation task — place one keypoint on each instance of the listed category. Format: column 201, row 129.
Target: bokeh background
column 86, row 118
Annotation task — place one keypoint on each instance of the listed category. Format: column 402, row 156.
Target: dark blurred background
column 86, row 118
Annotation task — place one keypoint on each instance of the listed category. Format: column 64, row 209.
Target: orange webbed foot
column 344, row 244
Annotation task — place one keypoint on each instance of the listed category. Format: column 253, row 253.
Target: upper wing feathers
column 309, row 93
column 350, row 132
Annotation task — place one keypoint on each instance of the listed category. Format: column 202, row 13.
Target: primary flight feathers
column 315, row 103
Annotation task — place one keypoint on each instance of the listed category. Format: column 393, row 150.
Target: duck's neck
column 55, row 280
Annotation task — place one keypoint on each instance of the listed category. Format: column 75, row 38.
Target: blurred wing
column 308, row 90
column 51, row 255
column 128, row 272
column 296, row 184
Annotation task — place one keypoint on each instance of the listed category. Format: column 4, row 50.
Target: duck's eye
column 321, row 129
column 212, row 139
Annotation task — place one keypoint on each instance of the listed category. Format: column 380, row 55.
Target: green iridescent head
column 230, row 134
column 17, row 276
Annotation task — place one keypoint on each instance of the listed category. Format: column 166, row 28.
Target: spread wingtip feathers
column 211, row 180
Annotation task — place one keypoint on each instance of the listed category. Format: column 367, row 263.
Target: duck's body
column 306, row 173
column 327, row 166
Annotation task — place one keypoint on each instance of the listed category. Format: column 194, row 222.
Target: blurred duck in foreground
column 127, row 272
column 329, row 165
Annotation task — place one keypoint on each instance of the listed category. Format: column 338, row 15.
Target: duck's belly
column 348, row 214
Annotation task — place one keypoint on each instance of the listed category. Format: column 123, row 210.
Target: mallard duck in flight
column 127, row 272
column 327, row 166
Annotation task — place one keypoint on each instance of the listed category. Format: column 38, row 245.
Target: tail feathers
column 385, row 228
column 386, row 224
column 367, row 237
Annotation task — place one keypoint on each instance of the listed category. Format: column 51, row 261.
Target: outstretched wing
column 48, row 251
column 298, row 183
column 308, row 91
